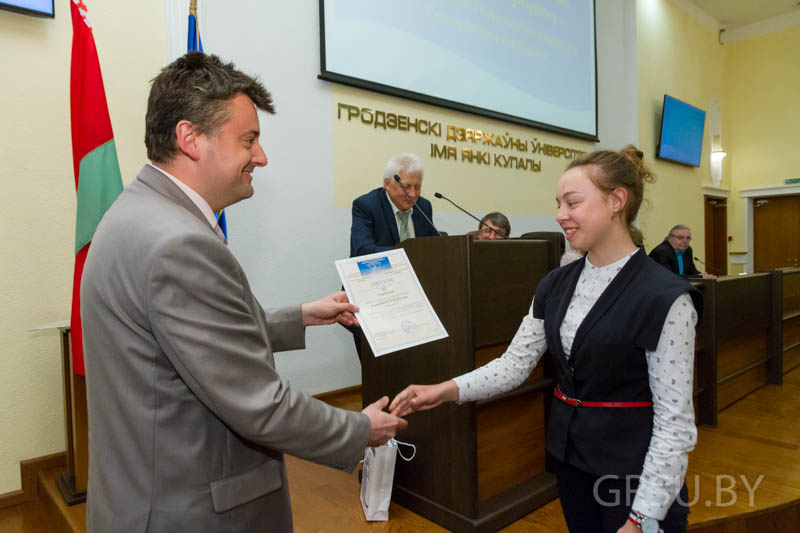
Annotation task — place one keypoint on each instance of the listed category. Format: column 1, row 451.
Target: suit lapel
column 388, row 214
column 608, row 297
column 420, row 224
column 164, row 186
column 673, row 257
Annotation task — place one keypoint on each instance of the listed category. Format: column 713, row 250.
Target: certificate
column 393, row 310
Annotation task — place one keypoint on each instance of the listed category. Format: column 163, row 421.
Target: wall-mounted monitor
column 38, row 8
column 681, row 132
column 531, row 63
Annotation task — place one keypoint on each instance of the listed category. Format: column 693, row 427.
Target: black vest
column 607, row 363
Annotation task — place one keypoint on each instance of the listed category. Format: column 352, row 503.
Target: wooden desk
column 481, row 465
column 791, row 318
column 739, row 342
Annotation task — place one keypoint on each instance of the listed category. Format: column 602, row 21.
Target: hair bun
column 636, row 156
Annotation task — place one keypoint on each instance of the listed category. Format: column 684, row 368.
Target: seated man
column 676, row 254
column 493, row 226
column 386, row 216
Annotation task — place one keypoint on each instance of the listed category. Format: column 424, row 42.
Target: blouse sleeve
column 509, row 370
column 671, row 371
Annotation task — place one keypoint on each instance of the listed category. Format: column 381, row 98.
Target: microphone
column 421, row 212
column 703, row 263
column 484, row 224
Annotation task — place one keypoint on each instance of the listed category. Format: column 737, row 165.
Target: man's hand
column 706, row 275
column 383, row 425
column 423, row 397
column 329, row 310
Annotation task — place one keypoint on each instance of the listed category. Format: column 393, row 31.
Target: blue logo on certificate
column 374, row 265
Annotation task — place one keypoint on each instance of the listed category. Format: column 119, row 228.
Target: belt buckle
column 577, row 402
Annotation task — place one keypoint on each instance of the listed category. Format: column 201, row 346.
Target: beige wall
column 757, row 83
column 38, row 215
column 680, row 56
column 475, row 186
column 761, row 119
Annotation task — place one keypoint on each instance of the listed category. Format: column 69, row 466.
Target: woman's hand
column 423, row 397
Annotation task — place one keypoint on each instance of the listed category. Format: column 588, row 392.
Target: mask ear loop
column 413, row 454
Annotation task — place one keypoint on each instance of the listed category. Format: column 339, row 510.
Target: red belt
column 581, row 403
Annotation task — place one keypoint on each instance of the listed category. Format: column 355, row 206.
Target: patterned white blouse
column 670, row 368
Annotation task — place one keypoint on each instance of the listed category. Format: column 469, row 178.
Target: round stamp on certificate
column 408, row 326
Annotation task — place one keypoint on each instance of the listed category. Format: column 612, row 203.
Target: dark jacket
column 664, row 254
column 607, row 363
column 374, row 227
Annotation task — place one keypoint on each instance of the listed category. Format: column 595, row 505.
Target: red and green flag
column 97, row 176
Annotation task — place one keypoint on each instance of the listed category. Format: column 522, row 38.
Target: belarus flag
column 97, row 176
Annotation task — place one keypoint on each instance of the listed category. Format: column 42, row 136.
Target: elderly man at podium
column 390, row 214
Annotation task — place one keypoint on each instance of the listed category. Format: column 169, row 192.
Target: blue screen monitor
column 681, row 132
column 38, row 8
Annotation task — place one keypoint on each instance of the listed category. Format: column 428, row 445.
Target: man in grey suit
column 188, row 418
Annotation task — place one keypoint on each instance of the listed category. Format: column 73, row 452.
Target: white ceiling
column 733, row 14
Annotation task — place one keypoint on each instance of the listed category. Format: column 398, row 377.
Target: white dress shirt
column 193, row 195
column 670, row 368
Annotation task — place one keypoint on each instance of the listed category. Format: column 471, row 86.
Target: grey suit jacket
column 188, row 418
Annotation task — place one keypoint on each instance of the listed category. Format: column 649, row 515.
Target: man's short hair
column 499, row 220
column 406, row 162
column 676, row 227
column 195, row 87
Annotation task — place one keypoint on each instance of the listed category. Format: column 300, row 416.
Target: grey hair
column 402, row 162
column 677, row 226
column 499, row 220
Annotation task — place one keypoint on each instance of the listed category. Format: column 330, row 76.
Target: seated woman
column 620, row 329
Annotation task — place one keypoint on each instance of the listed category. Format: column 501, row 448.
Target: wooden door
column 716, row 221
column 776, row 232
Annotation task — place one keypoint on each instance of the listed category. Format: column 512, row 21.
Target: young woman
column 620, row 329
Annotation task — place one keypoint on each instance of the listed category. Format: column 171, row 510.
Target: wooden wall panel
column 791, row 291
column 502, row 285
column 743, row 305
column 791, row 359
column 736, row 388
column 510, row 444
column 736, row 354
column 791, row 332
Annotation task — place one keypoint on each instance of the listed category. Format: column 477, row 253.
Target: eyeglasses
column 681, row 237
column 489, row 230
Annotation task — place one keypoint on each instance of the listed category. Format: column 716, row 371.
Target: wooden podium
column 481, row 465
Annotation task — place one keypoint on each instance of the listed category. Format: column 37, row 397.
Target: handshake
column 384, row 426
